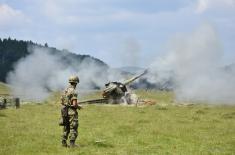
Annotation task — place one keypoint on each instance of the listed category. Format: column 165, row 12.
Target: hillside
column 4, row 89
column 11, row 51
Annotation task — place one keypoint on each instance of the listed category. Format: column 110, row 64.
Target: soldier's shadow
column 97, row 144
column 102, row 144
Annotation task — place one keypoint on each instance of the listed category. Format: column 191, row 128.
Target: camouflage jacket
column 68, row 95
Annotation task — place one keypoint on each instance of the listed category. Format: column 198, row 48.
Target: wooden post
column 4, row 103
column 17, row 102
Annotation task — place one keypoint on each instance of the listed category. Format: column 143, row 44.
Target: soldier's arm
column 79, row 105
column 74, row 100
column 63, row 98
column 76, row 104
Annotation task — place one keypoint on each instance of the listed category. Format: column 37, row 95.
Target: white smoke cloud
column 195, row 63
column 43, row 71
column 35, row 76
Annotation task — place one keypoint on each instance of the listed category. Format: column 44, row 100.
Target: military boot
column 72, row 144
column 64, row 143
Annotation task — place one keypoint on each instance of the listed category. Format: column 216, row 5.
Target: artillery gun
column 116, row 92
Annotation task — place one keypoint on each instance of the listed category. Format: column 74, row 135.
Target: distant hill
column 4, row 89
column 12, row 50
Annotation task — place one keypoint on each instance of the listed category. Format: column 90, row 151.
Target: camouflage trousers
column 70, row 128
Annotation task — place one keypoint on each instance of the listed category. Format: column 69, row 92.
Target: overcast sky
column 114, row 30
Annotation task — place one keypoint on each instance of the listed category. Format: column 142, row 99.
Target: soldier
column 69, row 112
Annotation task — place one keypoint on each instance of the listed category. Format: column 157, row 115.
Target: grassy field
column 163, row 128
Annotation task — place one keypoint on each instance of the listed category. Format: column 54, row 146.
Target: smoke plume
column 194, row 62
column 193, row 68
column 43, row 71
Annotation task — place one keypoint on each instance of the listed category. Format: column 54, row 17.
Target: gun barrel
column 102, row 100
column 134, row 78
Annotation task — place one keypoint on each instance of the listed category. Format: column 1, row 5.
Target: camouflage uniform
column 69, row 116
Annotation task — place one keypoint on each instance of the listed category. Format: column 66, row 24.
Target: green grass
column 122, row 130
column 164, row 97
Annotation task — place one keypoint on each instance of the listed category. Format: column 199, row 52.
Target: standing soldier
column 69, row 112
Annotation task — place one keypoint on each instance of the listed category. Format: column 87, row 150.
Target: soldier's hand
column 79, row 107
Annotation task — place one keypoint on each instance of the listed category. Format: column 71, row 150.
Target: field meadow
column 163, row 128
